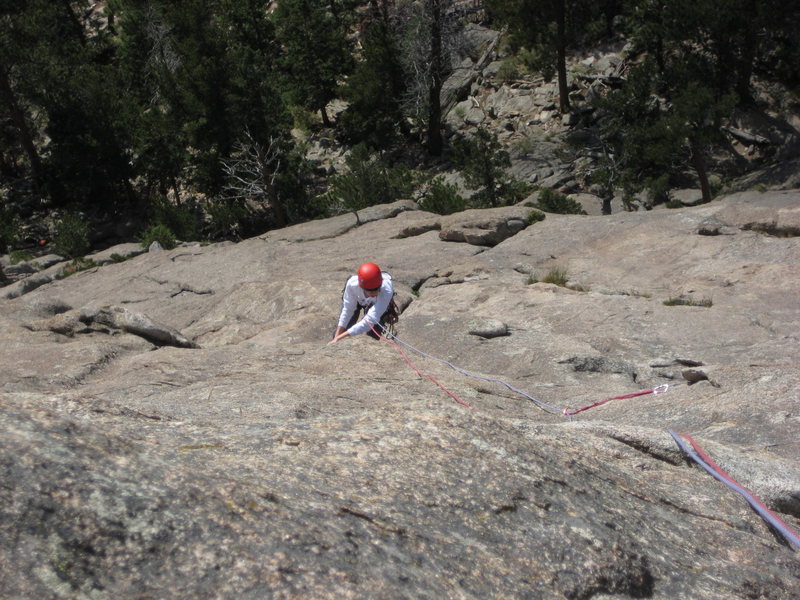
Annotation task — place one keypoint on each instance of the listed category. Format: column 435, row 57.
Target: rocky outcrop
column 115, row 318
column 524, row 113
column 486, row 227
column 175, row 424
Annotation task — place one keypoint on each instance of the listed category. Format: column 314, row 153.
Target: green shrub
column 311, row 208
column 18, row 256
column 303, row 119
column 514, row 190
column 158, row 233
column 78, row 265
column 72, row 236
column 556, row 202
column 658, row 188
column 559, row 277
column 556, row 276
column 683, row 301
column 225, row 219
column 178, row 219
column 368, row 181
column 442, row 198
column 535, row 216
column 716, row 184
column 483, row 163
column 9, row 229
column 525, row 146
column 509, row 70
column 538, row 61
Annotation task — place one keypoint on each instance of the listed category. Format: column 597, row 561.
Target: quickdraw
column 568, row 411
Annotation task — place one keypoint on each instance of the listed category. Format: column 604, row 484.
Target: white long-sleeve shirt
column 354, row 296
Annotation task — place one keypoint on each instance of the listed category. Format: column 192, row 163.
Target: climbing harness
column 390, row 318
column 704, row 460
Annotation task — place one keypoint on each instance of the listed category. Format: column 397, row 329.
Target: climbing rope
column 392, row 339
column 540, row 403
column 567, row 412
column 701, row 458
column 696, row 453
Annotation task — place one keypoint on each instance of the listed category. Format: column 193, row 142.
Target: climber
column 371, row 290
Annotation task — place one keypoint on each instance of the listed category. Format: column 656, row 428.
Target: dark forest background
column 179, row 118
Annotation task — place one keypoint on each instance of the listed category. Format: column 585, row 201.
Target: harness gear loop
column 391, row 317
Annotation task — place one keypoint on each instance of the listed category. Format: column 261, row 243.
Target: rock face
column 176, row 426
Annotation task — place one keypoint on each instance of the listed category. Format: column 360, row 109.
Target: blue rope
column 787, row 533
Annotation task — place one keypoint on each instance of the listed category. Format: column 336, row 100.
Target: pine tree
column 671, row 108
column 315, row 54
column 257, row 112
column 548, row 28
column 18, row 82
column 55, row 64
column 206, row 85
column 429, row 38
column 369, row 180
column 374, row 91
column 483, row 163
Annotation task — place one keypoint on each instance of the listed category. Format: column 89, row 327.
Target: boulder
column 488, row 328
column 118, row 317
column 486, row 227
column 117, row 253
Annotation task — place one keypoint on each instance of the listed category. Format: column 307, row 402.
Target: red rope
column 420, row 373
column 705, row 461
column 569, row 412
column 723, row 474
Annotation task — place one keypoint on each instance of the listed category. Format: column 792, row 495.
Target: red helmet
column 369, row 276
